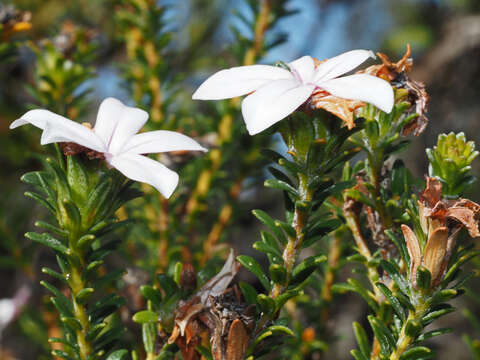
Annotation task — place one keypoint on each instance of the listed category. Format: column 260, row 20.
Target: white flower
column 11, row 307
column 115, row 136
column 278, row 92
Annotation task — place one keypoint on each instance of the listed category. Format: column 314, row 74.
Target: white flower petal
column 57, row 128
column 160, row 141
column 272, row 103
column 143, row 169
column 64, row 130
column 238, row 81
column 17, row 123
column 305, row 67
column 108, row 116
column 370, row 89
column 38, row 118
column 119, row 123
column 341, row 64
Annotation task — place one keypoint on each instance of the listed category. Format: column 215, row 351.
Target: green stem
column 294, row 244
column 372, row 273
column 77, row 283
column 375, row 160
column 334, row 255
column 404, row 341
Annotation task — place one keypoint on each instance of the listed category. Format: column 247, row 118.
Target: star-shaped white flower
column 278, row 92
column 115, row 136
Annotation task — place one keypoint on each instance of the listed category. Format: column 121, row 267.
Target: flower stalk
column 300, row 219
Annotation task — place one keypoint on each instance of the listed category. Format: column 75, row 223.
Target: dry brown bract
column 441, row 221
column 70, row 149
column 397, row 75
column 215, row 313
column 339, row 107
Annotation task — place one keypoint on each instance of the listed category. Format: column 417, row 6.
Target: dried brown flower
column 70, row 149
column 441, row 221
column 397, row 74
column 217, row 313
column 342, row 108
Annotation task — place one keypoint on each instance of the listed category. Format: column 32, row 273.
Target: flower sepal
column 298, row 133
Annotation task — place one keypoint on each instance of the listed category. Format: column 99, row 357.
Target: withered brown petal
column 435, row 252
column 467, row 217
column 191, row 330
column 433, row 192
column 413, row 250
column 182, row 322
column 423, row 218
column 189, row 351
column 417, row 94
column 237, row 342
column 174, row 336
column 342, row 108
column 216, row 344
column 217, row 285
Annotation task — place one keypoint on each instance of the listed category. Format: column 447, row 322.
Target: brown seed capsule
column 237, row 341
column 188, row 277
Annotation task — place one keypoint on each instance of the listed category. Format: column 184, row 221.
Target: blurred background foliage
column 99, row 50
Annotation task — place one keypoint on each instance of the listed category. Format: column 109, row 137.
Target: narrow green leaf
column 270, row 223
column 266, row 303
column 42, row 201
column 278, row 273
column 394, row 273
column 118, row 355
column 167, row 284
column 71, row 322
column 249, row 292
column 151, row 294
column 47, row 240
column 266, row 248
column 107, row 338
column 145, row 316
column 438, row 312
column 59, row 300
column 443, row 296
column 84, row 295
column 397, row 307
column 54, row 274
column 77, row 177
column 62, row 354
column 433, row 333
column 287, row 295
column 418, row 352
column 85, row 241
column 303, row 270
column 253, row 266
column 96, row 200
column 383, row 335
column 95, row 330
column 149, row 334
column 413, row 327
column 357, row 355
column 47, row 226
column 362, row 340
column 287, row 228
column 424, row 278
column 281, row 185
